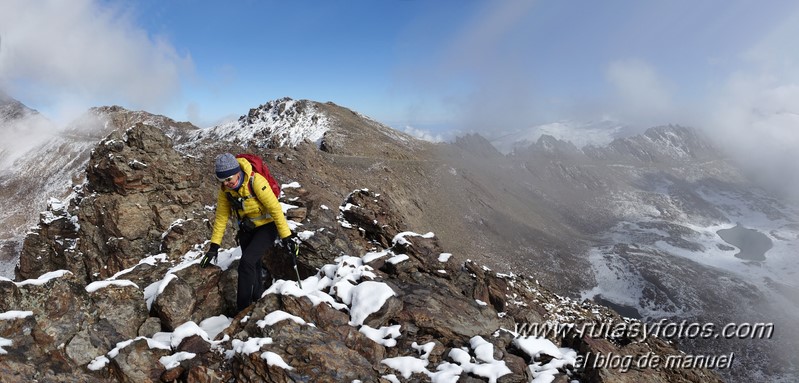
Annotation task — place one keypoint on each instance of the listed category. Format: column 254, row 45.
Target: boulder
column 138, row 363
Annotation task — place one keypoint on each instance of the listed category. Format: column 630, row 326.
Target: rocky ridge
column 111, row 290
column 50, row 169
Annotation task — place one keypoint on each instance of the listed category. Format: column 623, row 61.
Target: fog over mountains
column 596, row 133
column 23, row 128
column 659, row 224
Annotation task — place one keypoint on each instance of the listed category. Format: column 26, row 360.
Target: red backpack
column 259, row 167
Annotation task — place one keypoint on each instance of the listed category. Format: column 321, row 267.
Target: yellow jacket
column 262, row 208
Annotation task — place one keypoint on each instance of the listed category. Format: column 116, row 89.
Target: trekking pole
column 294, row 253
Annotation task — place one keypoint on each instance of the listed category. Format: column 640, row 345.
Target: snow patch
column 273, row 359
column 44, row 278
column 277, row 316
column 94, row 286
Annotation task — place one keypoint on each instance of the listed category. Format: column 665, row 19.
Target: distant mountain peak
column 579, row 133
column 287, row 122
column 477, row 144
column 99, row 121
column 551, row 143
column 24, row 124
column 277, row 123
column 12, row 109
column 667, row 142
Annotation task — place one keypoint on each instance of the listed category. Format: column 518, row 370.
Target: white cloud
column 85, row 51
column 756, row 112
column 756, row 118
column 422, row 134
column 21, row 135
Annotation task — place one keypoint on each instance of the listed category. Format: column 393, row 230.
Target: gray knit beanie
column 226, row 165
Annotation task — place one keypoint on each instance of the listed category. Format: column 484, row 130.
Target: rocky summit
column 109, row 289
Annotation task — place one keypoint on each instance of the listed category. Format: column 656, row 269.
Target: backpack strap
column 235, row 204
column 249, row 184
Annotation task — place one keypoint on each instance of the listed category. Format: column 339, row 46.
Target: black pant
column 254, row 245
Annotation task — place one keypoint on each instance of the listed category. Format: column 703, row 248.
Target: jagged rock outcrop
column 118, row 118
column 331, row 128
column 139, row 198
column 58, row 163
column 549, row 147
column 53, row 165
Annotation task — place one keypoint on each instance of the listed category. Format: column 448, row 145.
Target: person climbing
column 260, row 221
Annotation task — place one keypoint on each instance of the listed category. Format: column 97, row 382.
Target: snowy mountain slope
column 663, row 144
column 654, row 205
column 677, row 266
column 283, row 122
column 367, row 295
column 695, row 238
column 287, row 123
column 11, row 109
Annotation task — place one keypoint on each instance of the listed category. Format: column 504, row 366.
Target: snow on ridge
column 94, row 286
column 15, row 314
column 286, row 122
column 400, row 238
column 277, row 316
column 44, row 278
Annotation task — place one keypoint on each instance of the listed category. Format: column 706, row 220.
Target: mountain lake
column 752, row 244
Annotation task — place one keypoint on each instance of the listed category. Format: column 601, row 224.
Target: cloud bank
column 755, row 114
column 423, row 134
column 70, row 55
column 737, row 78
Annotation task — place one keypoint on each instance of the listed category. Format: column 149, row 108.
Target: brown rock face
column 140, row 200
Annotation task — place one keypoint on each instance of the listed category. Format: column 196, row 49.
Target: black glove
column 290, row 243
column 210, row 256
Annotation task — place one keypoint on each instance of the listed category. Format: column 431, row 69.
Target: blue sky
column 464, row 65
